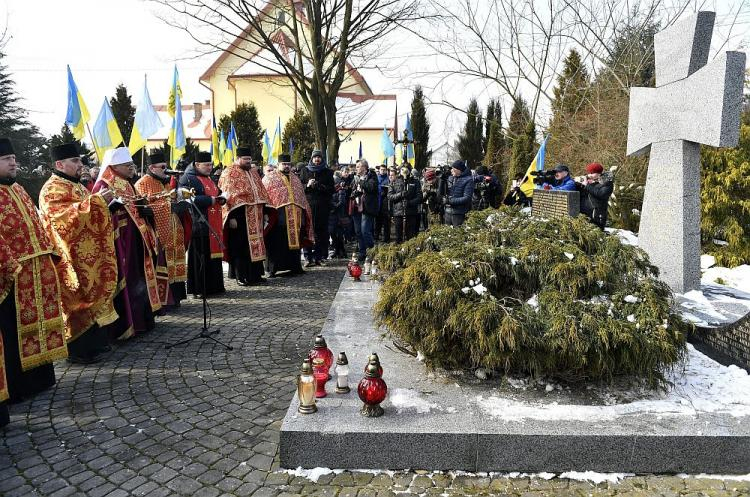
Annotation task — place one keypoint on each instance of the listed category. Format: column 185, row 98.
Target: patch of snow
column 707, row 261
column 480, row 289
column 626, row 237
column 513, row 261
column 465, row 289
column 420, row 356
column 481, row 373
column 533, row 301
column 404, row 399
column 549, row 388
column 631, row 318
column 702, row 386
column 721, row 243
column 594, row 477
column 569, row 255
column 736, row 277
column 631, row 299
column 716, row 477
column 636, row 212
column 313, row 474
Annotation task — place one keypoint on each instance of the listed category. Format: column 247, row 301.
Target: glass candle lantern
column 320, row 350
column 320, row 372
column 306, row 389
column 342, row 374
column 374, row 359
column 372, row 391
column 356, row 271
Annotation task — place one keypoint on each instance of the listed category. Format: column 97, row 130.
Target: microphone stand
column 204, row 333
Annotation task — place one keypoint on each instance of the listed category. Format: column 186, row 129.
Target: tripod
column 204, row 333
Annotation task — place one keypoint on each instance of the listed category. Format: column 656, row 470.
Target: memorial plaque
column 553, row 204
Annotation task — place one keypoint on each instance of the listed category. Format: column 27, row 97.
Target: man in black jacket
column 365, row 191
column 405, row 195
column 319, row 188
column 595, row 193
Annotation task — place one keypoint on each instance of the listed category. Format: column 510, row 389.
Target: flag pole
column 142, row 154
column 93, row 142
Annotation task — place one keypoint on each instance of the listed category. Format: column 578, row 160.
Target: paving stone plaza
column 203, row 421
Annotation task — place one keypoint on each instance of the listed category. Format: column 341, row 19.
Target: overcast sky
column 108, row 42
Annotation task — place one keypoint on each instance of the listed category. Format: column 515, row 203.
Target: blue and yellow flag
column 146, row 122
column 386, row 145
column 177, row 139
column 78, row 113
column 229, row 148
column 266, row 148
column 276, row 147
column 527, row 184
column 106, row 133
column 215, row 149
column 235, row 139
column 410, row 146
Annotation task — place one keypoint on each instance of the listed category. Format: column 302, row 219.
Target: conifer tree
column 494, row 159
column 300, row 129
column 189, row 155
column 30, row 146
column 421, row 129
column 522, row 153
column 470, row 140
column 247, row 126
column 572, row 84
column 493, row 115
column 66, row 136
column 124, row 112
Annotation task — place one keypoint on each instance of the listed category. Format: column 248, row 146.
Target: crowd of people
column 107, row 251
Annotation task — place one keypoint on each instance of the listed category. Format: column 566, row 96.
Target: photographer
column 562, row 181
column 595, row 191
column 365, row 190
column 485, row 190
column 516, row 196
column 405, row 195
column 460, row 192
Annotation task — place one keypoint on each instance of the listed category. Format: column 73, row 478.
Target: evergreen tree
column 494, row 159
column 124, row 112
column 30, row 146
column 519, row 118
column 572, row 84
column 189, row 155
column 470, row 141
column 300, row 129
column 493, row 115
column 247, row 126
column 522, row 153
column 420, row 129
column 725, row 201
column 66, row 136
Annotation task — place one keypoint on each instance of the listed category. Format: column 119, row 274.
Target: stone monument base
column 452, row 421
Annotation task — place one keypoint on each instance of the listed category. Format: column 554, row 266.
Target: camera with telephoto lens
column 542, row 177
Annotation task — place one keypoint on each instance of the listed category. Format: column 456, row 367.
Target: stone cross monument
column 692, row 104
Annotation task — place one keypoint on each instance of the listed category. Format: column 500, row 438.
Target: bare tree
column 310, row 42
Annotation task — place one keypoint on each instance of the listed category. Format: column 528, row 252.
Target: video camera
column 542, row 177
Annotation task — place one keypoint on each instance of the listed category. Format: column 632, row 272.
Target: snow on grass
column 594, row 477
column 737, row 277
column 703, row 386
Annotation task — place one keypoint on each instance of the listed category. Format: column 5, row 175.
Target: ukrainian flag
column 146, row 122
column 229, row 148
column 176, row 138
column 215, row 149
column 386, row 145
column 235, row 139
column 527, row 184
column 276, row 148
column 78, row 113
column 410, row 146
column 106, row 133
column 266, row 148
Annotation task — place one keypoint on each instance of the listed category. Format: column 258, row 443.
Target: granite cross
column 692, row 104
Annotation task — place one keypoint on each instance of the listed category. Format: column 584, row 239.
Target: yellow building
column 196, row 119
column 256, row 78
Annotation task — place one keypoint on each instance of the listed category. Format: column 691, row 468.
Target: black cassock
column 280, row 256
column 241, row 267
column 21, row 384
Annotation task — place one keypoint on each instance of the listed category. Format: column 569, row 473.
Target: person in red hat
column 595, row 192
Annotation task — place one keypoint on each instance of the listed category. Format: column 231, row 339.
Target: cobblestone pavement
column 202, row 421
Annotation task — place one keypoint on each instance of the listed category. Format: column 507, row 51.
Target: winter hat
column 460, row 165
column 561, row 167
column 316, row 153
column 285, row 158
column 594, row 168
column 244, row 151
column 6, row 147
column 64, row 151
column 157, row 158
column 429, row 174
column 202, row 157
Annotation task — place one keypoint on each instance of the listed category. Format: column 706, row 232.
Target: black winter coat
column 405, row 196
column 369, row 187
column 201, row 200
column 320, row 195
column 595, row 201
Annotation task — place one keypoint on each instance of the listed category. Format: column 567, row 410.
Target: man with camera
column 405, row 195
column 365, row 192
column 485, row 189
column 562, row 181
column 460, row 191
column 595, row 191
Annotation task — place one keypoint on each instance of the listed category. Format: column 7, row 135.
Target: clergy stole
column 245, row 189
column 26, row 266
column 286, row 192
column 213, row 217
column 169, row 233
column 123, row 189
column 79, row 226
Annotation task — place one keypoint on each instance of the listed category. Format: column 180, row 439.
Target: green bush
column 562, row 300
